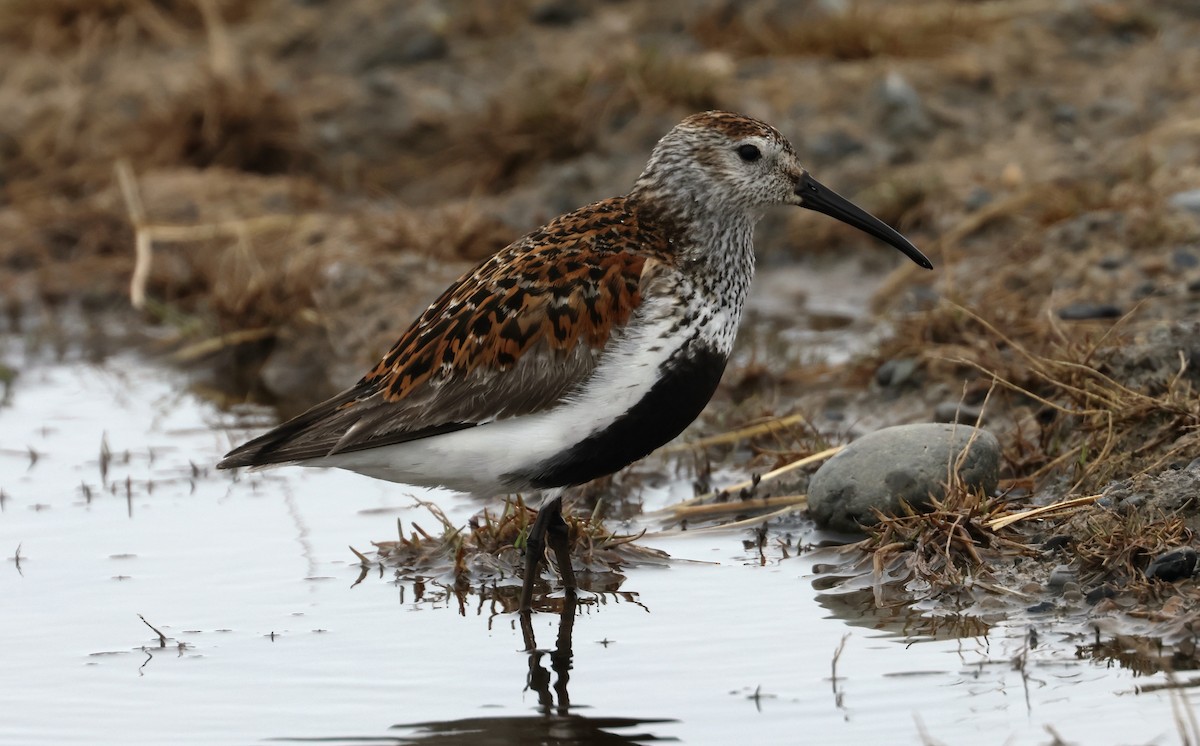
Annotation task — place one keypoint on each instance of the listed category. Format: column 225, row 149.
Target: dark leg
column 559, row 539
column 549, row 525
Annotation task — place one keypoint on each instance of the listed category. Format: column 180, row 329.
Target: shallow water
column 253, row 576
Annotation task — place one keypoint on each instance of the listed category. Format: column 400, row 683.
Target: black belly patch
column 671, row 405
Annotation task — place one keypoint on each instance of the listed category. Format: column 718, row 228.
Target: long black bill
column 816, row 196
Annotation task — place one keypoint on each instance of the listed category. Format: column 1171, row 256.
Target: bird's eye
column 749, row 153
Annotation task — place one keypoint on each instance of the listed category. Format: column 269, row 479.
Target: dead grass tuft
column 491, row 546
column 63, row 24
column 863, row 30
column 941, row 548
column 1117, row 546
column 238, row 123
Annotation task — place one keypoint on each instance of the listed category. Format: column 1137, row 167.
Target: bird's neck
column 714, row 249
column 707, row 235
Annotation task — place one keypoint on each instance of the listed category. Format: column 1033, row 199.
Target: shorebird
column 579, row 348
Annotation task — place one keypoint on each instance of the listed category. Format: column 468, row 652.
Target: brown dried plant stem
column 736, row 436
column 749, row 483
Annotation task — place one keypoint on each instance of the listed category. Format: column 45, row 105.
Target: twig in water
column 837, row 653
column 162, row 639
column 361, row 557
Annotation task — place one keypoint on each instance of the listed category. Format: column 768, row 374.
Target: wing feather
column 512, row 337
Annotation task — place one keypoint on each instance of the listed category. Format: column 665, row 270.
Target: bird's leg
column 548, row 527
column 559, row 539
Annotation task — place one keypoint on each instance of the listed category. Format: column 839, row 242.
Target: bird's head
column 719, row 161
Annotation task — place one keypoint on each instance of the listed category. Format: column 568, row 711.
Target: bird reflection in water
column 555, row 723
column 560, row 660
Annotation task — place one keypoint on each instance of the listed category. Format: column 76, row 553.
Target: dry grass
column 490, row 547
column 63, row 24
column 941, row 547
column 1080, row 420
column 1117, row 546
column 865, row 30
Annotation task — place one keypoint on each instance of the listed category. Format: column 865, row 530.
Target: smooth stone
column 558, row 12
column 904, row 116
column 1058, row 541
column 978, row 198
column 896, row 371
column 953, row 411
column 833, row 146
column 1184, row 259
column 1099, row 593
column 901, row 464
column 1173, row 565
column 1065, row 114
column 1189, row 200
column 1060, row 576
column 1083, row 311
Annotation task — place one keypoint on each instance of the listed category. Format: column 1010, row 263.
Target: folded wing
column 512, row 337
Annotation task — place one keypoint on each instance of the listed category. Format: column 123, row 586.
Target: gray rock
column 558, row 12
column 902, row 113
column 1173, row 565
column 978, row 198
column 1083, row 311
column 1099, row 593
column 832, row 146
column 1059, row 577
column 1083, row 232
column 896, row 372
column 1183, row 258
column 1065, row 114
column 419, row 44
column 906, row 463
column 1189, row 200
column 954, row 411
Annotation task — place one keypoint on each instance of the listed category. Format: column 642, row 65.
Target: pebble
column 832, row 146
column 1184, row 259
column 1146, row 289
column 1083, row 310
column 978, row 198
column 558, row 12
column 1189, row 200
column 1012, row 176
column 1173, row 565
column 954, row 411
column 1065, row 114
column 1059, row 577
column 905, row 463
column 903, row 116
column 1099, row 593
column 896, row 371
column 1058, row 541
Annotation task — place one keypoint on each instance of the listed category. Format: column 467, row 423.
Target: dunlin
column 581, row 347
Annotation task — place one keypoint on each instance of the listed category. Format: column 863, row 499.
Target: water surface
column 251, row 580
